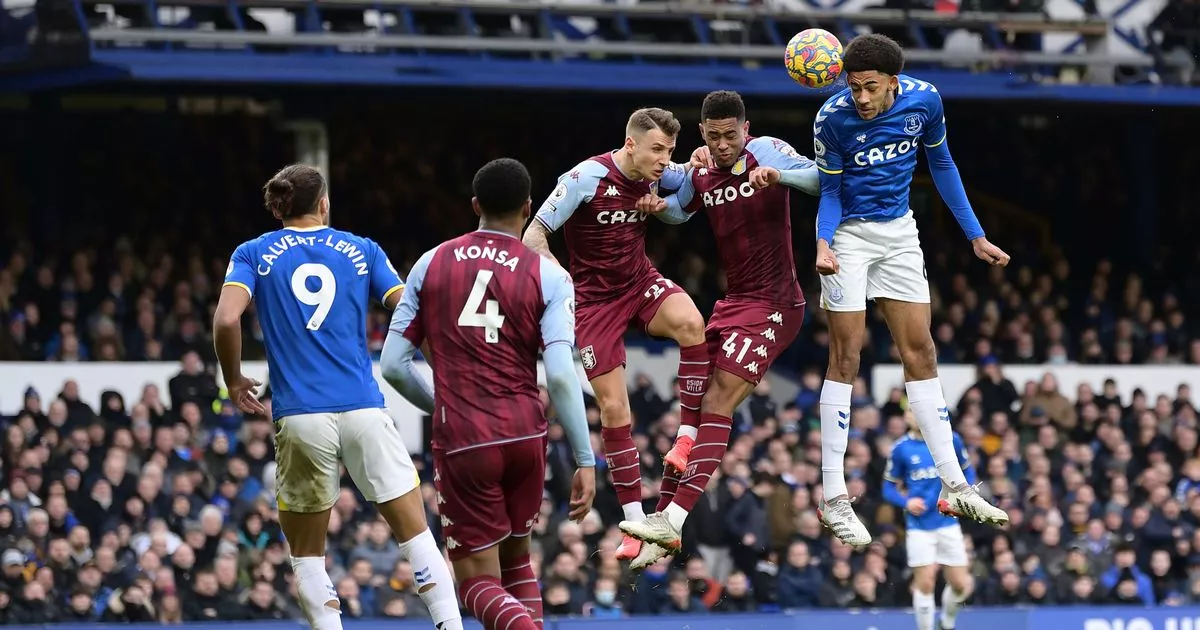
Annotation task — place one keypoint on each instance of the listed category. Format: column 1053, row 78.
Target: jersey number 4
column 491, row 320
column 322, row 298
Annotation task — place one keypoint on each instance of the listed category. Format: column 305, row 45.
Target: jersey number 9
column 322, row 298
column 491, row 319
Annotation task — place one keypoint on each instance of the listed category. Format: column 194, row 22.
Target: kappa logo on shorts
column 588, row 356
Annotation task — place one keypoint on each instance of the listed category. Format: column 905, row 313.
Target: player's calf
column 678, row 319
column 314, row 589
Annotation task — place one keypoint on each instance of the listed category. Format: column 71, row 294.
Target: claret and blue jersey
column 312, row 287
column 867, row 165
column 911, row 465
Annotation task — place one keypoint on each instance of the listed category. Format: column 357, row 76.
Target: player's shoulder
column 550, row 272
column 835, row 107
column 918, row 92
column 589, row 171
column 905, row 442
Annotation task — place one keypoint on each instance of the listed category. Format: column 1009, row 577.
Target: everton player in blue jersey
column 932, row 539
column 866, row 140
column 312, row 285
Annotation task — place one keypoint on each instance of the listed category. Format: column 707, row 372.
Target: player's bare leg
column 664, row 528
column 306, row 534
column 624, row 463
column 517, row 577
column 678, row 319
column 959, row 586
column 479, row 585
column 846, row 332
column 406, row 516
column 923, row 581
column 909, row 324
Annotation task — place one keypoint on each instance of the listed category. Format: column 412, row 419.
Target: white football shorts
column 309, row 447
column 876, row 260
column 943, row 546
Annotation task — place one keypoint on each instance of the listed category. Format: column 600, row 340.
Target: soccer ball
column 813, row 58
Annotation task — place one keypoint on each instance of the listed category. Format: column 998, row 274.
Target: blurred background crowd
column 163, row 507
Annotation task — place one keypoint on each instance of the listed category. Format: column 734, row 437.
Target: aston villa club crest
column 587, row 356
column 740, row 166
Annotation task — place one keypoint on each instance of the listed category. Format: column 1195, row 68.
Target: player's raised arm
column 574, row 189
column 677, row 206
column 236, row 294
column 404, row 335
column 386, row 284
column 795, row 170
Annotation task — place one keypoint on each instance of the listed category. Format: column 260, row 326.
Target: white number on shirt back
column 322, row 298
column 491, row 319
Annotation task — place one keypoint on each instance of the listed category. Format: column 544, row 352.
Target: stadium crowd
column 163, row 507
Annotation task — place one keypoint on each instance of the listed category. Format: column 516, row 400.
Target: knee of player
column 690, row 329
column 924, row 581
column 920, row 357
column 614, row 414
column 843, row 365
column 963, row 584
column 725, row 392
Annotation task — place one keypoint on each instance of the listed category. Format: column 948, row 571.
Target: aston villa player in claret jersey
column 486, row 304
column 616, row 285
column 764, row 306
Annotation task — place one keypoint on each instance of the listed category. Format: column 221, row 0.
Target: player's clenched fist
column 992, row 255
column 915, row 506
column 650, row 203
column 583, row 492
column 764, row 176
column 827, row 262
column 702, row 158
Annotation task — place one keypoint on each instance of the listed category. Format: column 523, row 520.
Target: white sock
column 686, row 430
column 315, row 590
column 952, row 604
column 634, row 511
column 835, row 434
column 676, row 515
column 434, row 584
column 923, row 608
column 933, row 417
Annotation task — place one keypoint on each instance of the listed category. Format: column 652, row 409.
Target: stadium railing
column 765, row 30
column 1041, row 618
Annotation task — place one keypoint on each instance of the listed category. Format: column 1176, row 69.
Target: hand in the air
column 764, row 176
column 702, row 158
column 241, row 392
column 583, row 492
column 650, row 203
column 827, row 262
column 988, row 253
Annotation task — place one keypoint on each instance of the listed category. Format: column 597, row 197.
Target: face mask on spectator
column 605, row 598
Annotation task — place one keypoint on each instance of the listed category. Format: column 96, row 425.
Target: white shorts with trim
column 309, row 447
column 944, row 546
column 876, row 260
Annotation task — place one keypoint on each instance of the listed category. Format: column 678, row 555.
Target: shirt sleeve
column 673, row 177
column 894, row 472
column 241, row 271
column 574, row 189
column 681, row 204
column 404, row 319
column 795, row 170
column 385, row 280
column 935, row 123
column 558, row 293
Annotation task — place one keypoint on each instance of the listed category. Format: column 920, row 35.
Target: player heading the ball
column 866, row 140
column 312, row 285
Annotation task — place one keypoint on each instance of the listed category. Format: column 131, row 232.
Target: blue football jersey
column 876, row 158
column 911, row 465
column 312, row 288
